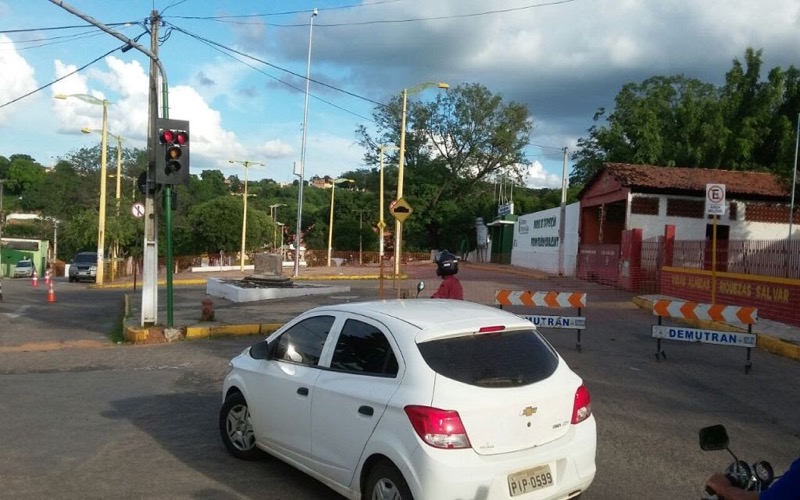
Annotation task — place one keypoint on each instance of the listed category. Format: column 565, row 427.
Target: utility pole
column 562, row 220
column 150, row 267
column 150, row 250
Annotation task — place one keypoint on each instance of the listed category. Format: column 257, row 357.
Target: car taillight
column 582, row 408
column 438, row 428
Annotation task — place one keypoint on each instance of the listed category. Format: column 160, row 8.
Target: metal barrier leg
column 748, row 364
column 660, row 354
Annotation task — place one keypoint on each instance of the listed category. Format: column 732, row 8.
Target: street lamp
column 273, row 214
column 247, row 164
column 382, row 222
column 101, row 224
column 398, row 236
column 120, row 139
column 114, row 249
column 303, row 153
column 330, row 224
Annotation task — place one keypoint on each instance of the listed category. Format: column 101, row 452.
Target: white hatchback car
column 426, row 399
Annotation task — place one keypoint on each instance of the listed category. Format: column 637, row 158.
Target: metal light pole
column 2, row 220
column 119, row 138
column 794, row 177
column 247, row 164
column 273, row 214
column 398, row 236
column 381, row 221
column 303, row 153
column 330, row 224
column 101, row 224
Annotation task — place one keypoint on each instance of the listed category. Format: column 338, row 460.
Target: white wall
column 536, row 243
column 687, row 228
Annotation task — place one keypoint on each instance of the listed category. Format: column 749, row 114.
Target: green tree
column 467, row 136
column 217, row 225
column 746, row 124
column 23, row 173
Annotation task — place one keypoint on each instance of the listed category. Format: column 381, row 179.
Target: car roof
column 434, row 318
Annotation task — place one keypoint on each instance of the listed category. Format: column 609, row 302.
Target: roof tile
column 678, row 179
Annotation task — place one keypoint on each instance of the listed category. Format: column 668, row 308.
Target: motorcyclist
column 786, row 487
column 447, row 268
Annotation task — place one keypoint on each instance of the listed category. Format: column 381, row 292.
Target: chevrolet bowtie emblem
column 528, row 411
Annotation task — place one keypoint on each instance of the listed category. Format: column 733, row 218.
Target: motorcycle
column 756, row 477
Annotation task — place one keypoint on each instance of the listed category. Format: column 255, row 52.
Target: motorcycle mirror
column 714, row 438
column 420, row 287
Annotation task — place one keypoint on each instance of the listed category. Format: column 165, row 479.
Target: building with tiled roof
column 623, row 196
column 692, row 181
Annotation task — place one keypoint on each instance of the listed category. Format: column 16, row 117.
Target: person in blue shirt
column 786, row 487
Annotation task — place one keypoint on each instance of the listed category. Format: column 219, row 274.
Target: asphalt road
column 90, row 419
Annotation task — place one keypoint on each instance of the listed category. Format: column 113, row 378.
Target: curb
column 155, row 335
column 764, row 341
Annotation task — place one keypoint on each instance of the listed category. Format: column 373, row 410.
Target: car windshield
column 24, row 263
column 85, row 258
column 506, row 359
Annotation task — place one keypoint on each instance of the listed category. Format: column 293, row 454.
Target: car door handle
column 303, row 391
column 366, row 410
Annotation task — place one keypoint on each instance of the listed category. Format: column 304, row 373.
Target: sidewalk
column 241, row 318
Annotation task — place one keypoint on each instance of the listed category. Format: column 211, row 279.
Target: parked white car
column 416, row 398
column 24, row 269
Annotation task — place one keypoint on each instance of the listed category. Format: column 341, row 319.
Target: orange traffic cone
column 51, row 294
column 35, row 280
column 47, row 277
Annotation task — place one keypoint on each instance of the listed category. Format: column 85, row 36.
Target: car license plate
column 528, row 480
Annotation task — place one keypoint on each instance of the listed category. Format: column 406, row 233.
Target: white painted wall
column 536, row 243
column 695, row 229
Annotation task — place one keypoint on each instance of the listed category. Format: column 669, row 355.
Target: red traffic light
column 169, row 136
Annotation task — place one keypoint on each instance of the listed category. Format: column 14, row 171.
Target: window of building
column 644, row 205
column 678, row 207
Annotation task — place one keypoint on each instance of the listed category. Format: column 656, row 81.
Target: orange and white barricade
column 709, row 313
column 529, row 298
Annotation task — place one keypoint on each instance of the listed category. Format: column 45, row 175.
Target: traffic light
column 172, row 153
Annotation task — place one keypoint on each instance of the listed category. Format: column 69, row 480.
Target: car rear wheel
column 385, row 482
column 237, row 429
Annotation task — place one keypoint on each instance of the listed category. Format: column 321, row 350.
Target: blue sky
column 562, row 59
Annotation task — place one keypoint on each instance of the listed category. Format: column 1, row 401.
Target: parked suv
column 83, row 267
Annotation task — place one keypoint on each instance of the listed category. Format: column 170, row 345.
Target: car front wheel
column 385, row 482
column 236, row 428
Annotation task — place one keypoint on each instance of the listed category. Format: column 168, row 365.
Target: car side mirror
column 260, row 350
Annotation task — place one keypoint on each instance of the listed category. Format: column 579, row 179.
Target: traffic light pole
column 150, row 266
column 168, row 228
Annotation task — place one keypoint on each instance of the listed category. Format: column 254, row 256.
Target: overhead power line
column 59, row 79
column 279, row 68
column 226, row 51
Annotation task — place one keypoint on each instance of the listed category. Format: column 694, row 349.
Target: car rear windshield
column 86, row 257
column 503, row 359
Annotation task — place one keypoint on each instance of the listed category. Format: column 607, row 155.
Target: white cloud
column 538, row 178
column 16, row 76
